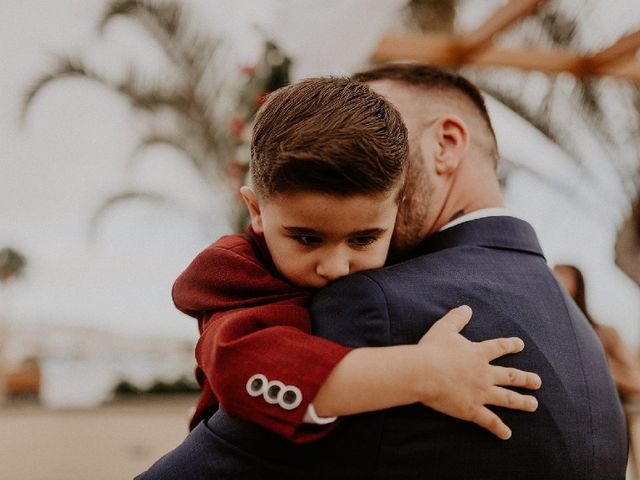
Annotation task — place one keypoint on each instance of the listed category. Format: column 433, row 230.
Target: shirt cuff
column 312, row 417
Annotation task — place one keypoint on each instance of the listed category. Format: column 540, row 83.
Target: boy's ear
column 251, row 201
column 451, row 143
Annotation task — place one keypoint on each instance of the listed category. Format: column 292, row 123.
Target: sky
column 72, row 152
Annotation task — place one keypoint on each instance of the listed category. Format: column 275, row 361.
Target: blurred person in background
column 623, row 362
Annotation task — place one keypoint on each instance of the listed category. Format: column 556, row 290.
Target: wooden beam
column 624, row 48
column 628, row 71
column 549, row 61
column 499, row 21
column 442, row 50
column 436, row 48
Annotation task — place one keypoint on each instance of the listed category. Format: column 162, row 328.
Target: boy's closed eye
column 308, row 240
column 363, row 241
column 315, row 241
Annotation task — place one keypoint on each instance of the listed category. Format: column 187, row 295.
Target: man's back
column 494, row 265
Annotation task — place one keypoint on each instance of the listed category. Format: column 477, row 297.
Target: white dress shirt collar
column 476, row 214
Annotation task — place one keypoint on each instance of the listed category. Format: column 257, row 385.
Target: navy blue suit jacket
column 496, row 266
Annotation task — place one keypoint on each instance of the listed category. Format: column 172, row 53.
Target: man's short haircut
column 327, row 135
column 429, row 77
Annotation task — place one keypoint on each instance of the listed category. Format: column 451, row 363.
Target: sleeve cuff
column 312, row 417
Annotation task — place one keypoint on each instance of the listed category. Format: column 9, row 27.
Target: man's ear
column 451, row 143
column 251, row 201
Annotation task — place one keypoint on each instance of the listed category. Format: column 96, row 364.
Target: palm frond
column 150, row 198
column 116, row 8
column 168, row 24
column 133, row 89
column 161, row 19
column 545, row 111
column 154, row 140
column 66, row 68
column 190, row 52
column 124, row 197
column 204, row 160
column 557, row 26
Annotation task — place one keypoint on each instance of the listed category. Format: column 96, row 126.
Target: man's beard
column 412, row 214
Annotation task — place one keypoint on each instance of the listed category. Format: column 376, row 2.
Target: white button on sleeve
column 256, row 385
column 289, row 397
column 272, row 392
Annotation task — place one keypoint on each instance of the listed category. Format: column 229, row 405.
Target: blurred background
column 124, row 137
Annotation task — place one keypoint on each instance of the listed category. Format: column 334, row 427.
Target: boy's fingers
column 489, row 420
column 512, row 377
column 503, row 397
column 501, row 346
column 456, row 319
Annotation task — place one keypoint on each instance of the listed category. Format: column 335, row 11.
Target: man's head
column 452, row 147
column 327, row 167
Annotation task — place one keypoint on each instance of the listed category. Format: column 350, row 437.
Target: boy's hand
column 461, row 379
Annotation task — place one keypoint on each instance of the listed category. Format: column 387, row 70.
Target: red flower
column 248, row 69
column 236, row 127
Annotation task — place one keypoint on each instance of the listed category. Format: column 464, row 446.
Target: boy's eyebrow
column 301, row 231
column 357, row 233
column 368, row 232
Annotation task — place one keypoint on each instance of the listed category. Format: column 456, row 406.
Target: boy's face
column 315, row 238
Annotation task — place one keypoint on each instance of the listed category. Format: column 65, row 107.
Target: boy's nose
column 333, row 267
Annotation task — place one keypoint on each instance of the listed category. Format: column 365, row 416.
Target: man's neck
column 470, row 197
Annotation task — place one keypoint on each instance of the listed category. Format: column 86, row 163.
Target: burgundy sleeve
column 256, row 325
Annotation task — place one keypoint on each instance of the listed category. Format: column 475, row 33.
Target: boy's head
column 327, row 167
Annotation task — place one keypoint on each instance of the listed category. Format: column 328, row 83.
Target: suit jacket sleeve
column 252, row 323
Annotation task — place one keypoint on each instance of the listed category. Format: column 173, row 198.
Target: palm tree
column 12, row 266
column 189, row 109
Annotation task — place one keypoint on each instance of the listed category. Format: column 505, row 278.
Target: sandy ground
column 112, row 442
column 633, row 425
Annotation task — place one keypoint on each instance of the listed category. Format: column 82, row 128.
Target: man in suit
column 454, row 244
column 466, row 248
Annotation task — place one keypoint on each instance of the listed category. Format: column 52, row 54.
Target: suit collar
column 507, row 233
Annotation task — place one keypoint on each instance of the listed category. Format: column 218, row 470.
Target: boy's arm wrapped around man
column 255, row 348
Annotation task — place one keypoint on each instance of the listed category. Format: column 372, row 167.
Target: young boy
column 328, row 157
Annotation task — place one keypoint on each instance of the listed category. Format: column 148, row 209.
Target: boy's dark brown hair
column 327, row 135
